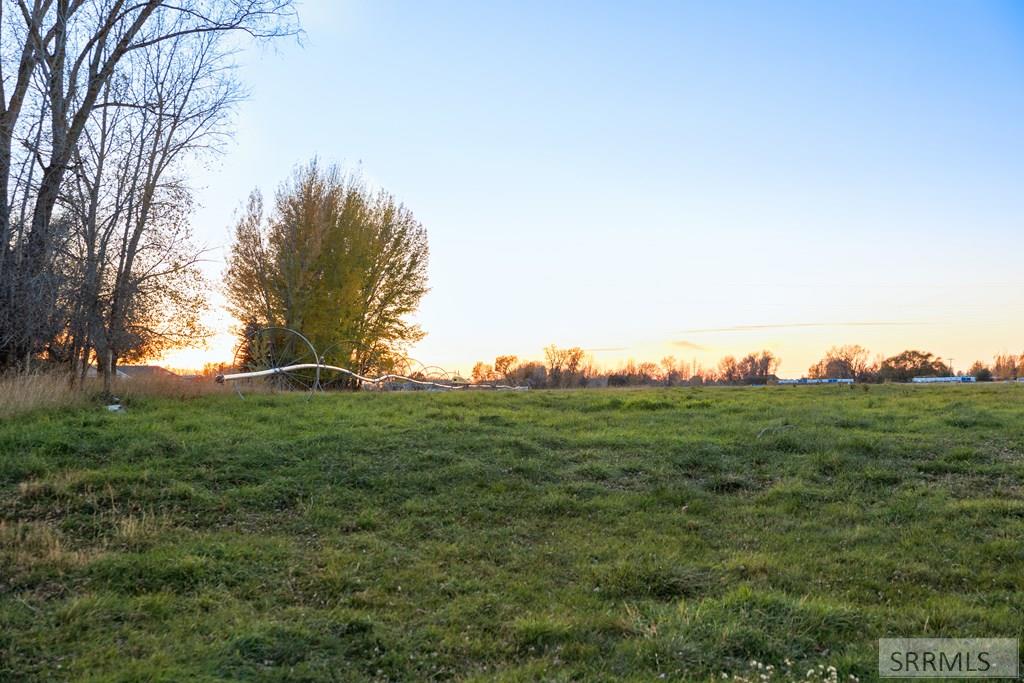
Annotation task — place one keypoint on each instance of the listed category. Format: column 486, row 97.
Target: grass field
column 588, row 535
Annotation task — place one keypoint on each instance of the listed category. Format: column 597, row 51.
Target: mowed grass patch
column 580, row 535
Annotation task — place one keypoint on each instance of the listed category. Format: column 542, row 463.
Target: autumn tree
column 342, row 264
column 504, row 366
column 483, row 372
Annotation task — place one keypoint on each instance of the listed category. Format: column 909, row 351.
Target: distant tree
column 588, row 373
column 980, row 371
column 531, row 374
column 211, row 370
column 574, row 361
column 623, row 376
column 504, row 366
column 758, row 368
column 844, row 362
column 482, row 372
column 633, row 374
column 728, row 371
column 555, row 360
column 649, row 373
column 1006, row 367
column 671, row 374
column 564, row 366
column 909, row 364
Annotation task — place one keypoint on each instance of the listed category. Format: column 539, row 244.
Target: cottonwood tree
column 58, row 61
column 341, row 264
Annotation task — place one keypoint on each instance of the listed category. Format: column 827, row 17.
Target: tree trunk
column 108, row 380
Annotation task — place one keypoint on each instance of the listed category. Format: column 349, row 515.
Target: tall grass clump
column 24, row 393
column 172, row 387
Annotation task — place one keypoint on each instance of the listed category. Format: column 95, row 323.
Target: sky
column 651, row 178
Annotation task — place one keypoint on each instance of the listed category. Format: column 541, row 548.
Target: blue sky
column 665, row 177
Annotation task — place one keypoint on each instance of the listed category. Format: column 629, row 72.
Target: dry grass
column 30, row 544
column 21, row 394
column 167, row 387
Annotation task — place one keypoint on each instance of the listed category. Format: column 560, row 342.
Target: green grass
column 589, row 535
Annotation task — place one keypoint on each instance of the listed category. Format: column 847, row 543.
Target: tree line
column 103, row 105
column 852, row 362
column 574, row 367
column 564, row 368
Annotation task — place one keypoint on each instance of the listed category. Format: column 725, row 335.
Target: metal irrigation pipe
column 316, row 356
column 320, row 364
column 221, row 379
column 309, row 366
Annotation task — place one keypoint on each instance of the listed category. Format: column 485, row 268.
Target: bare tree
column 729, row 370
column 565, row 366
column 758, row 368
column 844, row 362
column 58, row 60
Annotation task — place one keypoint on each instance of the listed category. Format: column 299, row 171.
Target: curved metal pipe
column 221, row 379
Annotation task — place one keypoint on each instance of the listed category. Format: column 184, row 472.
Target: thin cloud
column 787, row 326
column 684, row 344
column 607, row 348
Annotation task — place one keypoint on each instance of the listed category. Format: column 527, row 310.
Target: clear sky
column 645, row 178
